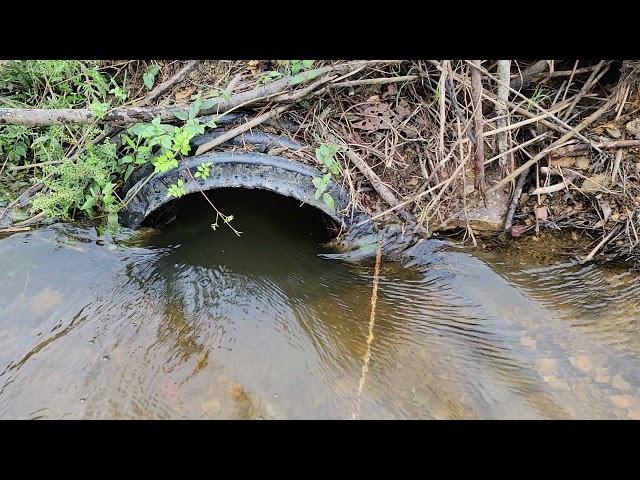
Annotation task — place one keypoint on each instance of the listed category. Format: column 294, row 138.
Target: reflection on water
column 188, row 323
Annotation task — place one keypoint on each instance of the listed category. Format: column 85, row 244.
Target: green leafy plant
column 14, row 142
column 149, row 76
column 100, row 109
column 49, row 84
column 177, row 190
column 293, row 67
column 165, row 162
column 82, row 184
column 303, row 77
column 79, row 177
column 203, row 171
column 267, row 77
column 118, row 93
column 325, row 156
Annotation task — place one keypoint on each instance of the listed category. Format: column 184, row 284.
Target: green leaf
column 182, row 115
column 128, row 173
column 209, row 103
column 107, row 189
column 303, row 77
column 150, row 75
column 128, row 141
column 335, row 168
column 307, row 63
column 317, row 182
column 137, row 130
column 89, row 203
column 100, row 109
column 328, row 200
column 112, row 219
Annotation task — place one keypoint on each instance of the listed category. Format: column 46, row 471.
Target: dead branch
column 234, row 132
column 375, row 81
column 502, row 112
column 580, row 149
column 595, row 250
column 478, row 155
column 530, row 74
column 515, row 199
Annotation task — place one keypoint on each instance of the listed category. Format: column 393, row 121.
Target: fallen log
column 128, row 115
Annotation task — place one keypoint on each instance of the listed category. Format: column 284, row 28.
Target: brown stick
column 618, row 159
column 34, row 165
column 478, row 155
column 442, row 109
column 530, row 74
column 595, row 250
column 551, row 188
column 14, row 230
column 504, row 68
column 234, row 132
column 579, row 149
column 514, row 200
column 375, row 81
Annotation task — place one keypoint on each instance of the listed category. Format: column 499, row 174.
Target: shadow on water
column 185, row 322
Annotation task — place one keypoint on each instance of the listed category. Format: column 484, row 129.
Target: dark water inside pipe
column 185, row 322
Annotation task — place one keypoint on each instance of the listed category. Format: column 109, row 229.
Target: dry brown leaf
column 606, row 210
column 582, row 162
column 403, row 110
column 253, row 66
column 595, row 183
column 377, row 116
column 613, row 132
column 562, row 162
column 185, row 94
column 542, row 212
column 392, row 90
column 518, row 230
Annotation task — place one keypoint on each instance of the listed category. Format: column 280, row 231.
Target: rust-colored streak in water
column 372, row 321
